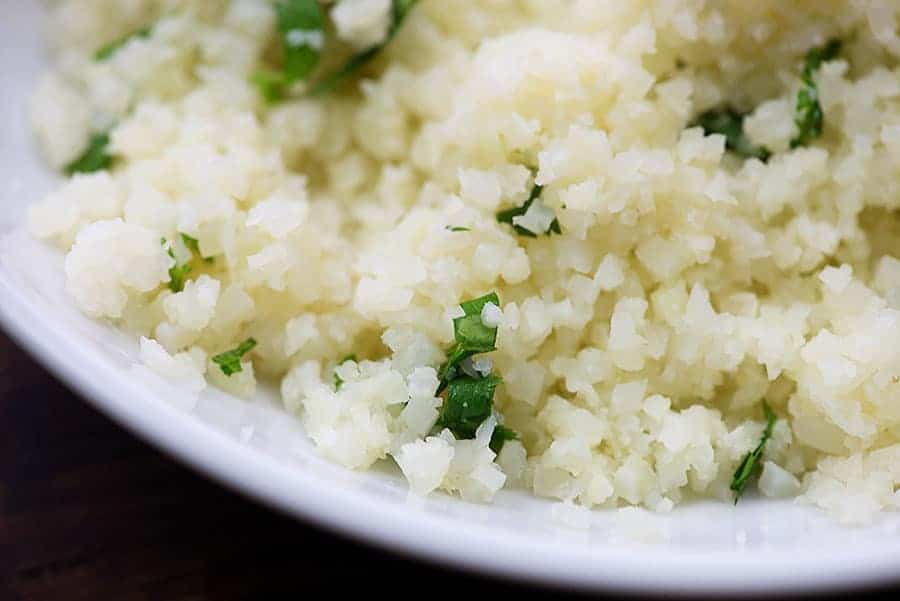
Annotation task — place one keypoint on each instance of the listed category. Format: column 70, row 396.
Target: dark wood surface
column 89, row 512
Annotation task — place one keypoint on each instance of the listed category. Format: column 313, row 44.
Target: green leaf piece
column 400, row 9
column 469, row 402
column 501, row 436
column 301, row 28
column 230, row 361
column 106, row 52
column 507, row 215
column 730, row 124
column 750, row 462
column 471, row 336
column 808, row 113
column 95, row 157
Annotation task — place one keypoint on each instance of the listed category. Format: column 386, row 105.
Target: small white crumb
column 491, row 315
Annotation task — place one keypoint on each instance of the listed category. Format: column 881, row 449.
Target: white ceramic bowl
column 258, row 450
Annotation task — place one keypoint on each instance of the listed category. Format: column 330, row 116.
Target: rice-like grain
column 635, row 348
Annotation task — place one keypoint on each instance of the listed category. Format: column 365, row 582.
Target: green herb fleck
column 730, row 124
column 94, row 158
column 458, row 228
column 508, row 215
column 301, row 27
column 471, row 336
column 750, row 463
column 399, row 11
column 177, row 273
column 808, row 115
column 338, row 381
column 469, row 402
column 193, row 245
column 230, row 361
column 105, row 52
column 501, row 435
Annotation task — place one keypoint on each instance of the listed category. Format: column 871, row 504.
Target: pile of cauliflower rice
column 341, row 231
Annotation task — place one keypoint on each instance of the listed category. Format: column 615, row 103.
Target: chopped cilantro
column 458, row 228
column 471, row 335
column 501, row 435
column 750, row 462
column 301, row 27
column 193, row 245
column 730, row 124
column 808, row 115
column 338, row 381
column 508, row 215
column 469, row 402
column 94, row 158
column 271, row 85
column 353, row 64
column 105, row 52
column 230, row 361
column 399, row 11
column 177, row 273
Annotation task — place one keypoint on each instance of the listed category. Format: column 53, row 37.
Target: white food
column 635, row 348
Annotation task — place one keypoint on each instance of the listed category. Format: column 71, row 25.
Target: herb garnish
column 469, row 402
column 230, row 361
column 193, row 245
column 471, row 335
column 750, row 463
column 301, row 26
column 508, row 215
column 338, row 381
column 399, row 11
column 108, row 50
column 94, row 158
column 469, row 399
column 501, row 435
column 457, row 228
column 730, row 124
column 177, row 273
column 808, row 115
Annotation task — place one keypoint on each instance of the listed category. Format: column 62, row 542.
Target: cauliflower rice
column 687, row 286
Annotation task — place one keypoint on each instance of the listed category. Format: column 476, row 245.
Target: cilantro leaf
column 271, row 85
column 469, row 402
column 750, row 462
column 808, row 114
column 730, row 124
column 301, row 27
column 177, row 273
column 230, row 361
column 338, row 381
column 400, row 9
column 471, row 336
column 106, row 52
column 193, row 245
column 508, row 215
column 501, row 435
column 94, row 158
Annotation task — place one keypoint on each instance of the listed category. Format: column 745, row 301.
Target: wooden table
column 89, row 512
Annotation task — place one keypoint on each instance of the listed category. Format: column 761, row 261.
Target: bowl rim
column 437, row 539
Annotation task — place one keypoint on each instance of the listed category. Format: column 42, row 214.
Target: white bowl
column 257, row 449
